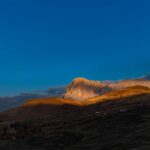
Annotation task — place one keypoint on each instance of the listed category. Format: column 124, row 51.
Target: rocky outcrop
column 82, row 89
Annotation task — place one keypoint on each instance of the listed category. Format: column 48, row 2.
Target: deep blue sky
column 46, row 43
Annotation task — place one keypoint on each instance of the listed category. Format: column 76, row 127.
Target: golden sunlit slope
column 51, row 101
column 43, row 106
column 119, row 94
column 113, row 95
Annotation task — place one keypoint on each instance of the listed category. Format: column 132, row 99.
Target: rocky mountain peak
column 81, row 89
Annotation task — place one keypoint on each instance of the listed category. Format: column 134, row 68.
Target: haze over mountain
column 14, row 101
column 147, row 77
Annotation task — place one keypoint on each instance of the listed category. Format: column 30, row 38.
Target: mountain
column 113, row 96
column 85, row 115
column 81, row 89
column 112, row 121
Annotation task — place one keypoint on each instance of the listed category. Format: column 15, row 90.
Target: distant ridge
column 129, row 83
column 147, row 77
column 82, row 88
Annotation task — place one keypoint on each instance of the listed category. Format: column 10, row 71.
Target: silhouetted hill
column 14, row 101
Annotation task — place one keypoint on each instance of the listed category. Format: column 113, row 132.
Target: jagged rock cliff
column 81, row 89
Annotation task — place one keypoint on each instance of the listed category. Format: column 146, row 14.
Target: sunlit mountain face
column 79, row 89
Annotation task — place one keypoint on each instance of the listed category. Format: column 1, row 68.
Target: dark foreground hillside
column 123, row 124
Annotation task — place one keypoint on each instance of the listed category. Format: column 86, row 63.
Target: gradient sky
column 46, row 43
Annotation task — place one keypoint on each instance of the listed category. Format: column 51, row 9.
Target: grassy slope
column 118, row 120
